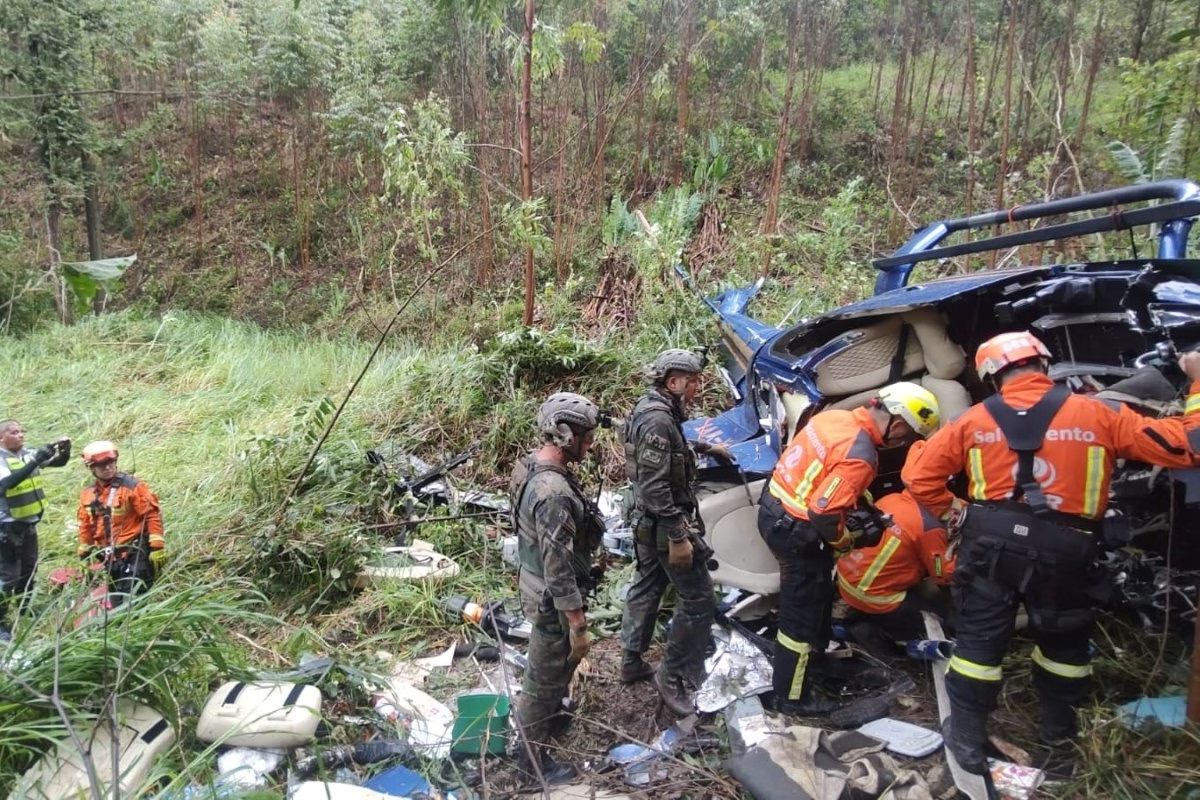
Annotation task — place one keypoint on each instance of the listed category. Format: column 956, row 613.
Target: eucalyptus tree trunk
column 1006, row 120
column 972, row 112
column 683, row 100
column 1095, row 58
column 91, row 214
column 770, row 221
column 526, row 134
column 479, row 91
column 601, row 89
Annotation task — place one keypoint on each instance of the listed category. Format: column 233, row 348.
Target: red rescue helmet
column 1006, row 350
column 99, row 451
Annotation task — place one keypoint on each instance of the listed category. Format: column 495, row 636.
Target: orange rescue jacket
column 1075, row 463
column 134, row 510
column 828, row 465
column 875, row 579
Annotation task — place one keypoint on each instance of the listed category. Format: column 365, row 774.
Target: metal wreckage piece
column 1160, row 597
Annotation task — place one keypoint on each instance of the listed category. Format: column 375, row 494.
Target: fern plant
column 1168, row 158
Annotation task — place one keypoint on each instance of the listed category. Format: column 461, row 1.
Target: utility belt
column 647, row 531
column 1016, row 526
column 783, row 524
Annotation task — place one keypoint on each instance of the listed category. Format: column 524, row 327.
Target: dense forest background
column 309, row 161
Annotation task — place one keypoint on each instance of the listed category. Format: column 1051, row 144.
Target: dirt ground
column 609, row 714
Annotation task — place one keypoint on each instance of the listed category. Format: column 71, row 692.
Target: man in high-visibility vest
column 1039, row 461
column 818, row 483
column 22, row 503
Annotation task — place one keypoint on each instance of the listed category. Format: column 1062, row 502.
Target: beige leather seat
column 859, row 370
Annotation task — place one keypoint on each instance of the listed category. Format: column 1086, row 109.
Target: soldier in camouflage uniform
column 558, row 531
column 668, row 534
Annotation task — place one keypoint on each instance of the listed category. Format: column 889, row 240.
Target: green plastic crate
column 481, row 725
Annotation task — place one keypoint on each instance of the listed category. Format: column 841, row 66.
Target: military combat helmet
column 563, row 413
column 674, row 360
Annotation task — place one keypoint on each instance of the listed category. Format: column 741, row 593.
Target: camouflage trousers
column 547, row 677
column 689, row 634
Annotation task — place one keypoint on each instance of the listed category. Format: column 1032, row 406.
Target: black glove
column 45, row 453
column 866, row 526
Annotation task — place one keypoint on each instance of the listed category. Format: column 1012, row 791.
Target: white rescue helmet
column 96, row 452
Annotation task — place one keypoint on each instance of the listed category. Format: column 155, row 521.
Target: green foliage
column 424, row 160
column 86, row 278
column 1169, row 161
column 535, row 357
column 162, row 650
column 832, row 260
column 1154, row 137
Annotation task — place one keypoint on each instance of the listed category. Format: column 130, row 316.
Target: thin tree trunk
column 598, row 167
column 771, row 217
column 1094, row 60
column 1006, row 130
column 487, row 245
column 526, row 131
column 91, row 213
column 682, row 96
column 972, row 111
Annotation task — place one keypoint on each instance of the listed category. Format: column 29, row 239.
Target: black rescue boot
column 810, row 704
column 634, row 668
column 1059, row 725
column 965, row 733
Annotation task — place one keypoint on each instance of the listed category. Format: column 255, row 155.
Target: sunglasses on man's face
column 103, row 464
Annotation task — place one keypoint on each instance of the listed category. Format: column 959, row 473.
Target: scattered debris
column 140, row 736
column 902, row 737
column 641, row 761
column 1170, row 712
column 260, row 714
column 416, row 561
column 737, row 669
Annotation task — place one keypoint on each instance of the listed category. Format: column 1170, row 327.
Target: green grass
column 219, row 417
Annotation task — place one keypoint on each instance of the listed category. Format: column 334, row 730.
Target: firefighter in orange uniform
column 817, row 486
column 876, row 582
column 1038, row 462
column 120, row 522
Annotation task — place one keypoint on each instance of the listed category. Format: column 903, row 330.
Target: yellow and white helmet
column 912, row 403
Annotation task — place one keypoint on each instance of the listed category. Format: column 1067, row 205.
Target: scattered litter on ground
column 248, row 767
column 1013, row 781
column 260, row 714
column 1170, row 712
column 737, row 669
column 641, row 763
column 903, row 738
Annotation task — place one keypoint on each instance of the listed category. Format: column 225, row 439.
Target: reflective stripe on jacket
column 1075, row 463
column 828, row 465
column 132, row 508
column 875, row 579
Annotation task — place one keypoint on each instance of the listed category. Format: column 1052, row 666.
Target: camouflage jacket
column 660, row 465
column 558, row 530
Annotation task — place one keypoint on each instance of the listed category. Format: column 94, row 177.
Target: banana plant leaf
column 87, row 277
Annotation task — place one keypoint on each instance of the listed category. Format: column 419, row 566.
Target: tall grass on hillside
column 61, row 672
